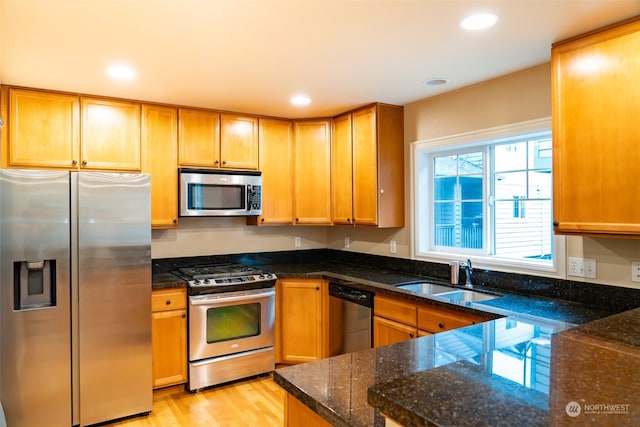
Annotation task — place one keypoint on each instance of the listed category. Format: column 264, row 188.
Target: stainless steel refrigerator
column 75, row 297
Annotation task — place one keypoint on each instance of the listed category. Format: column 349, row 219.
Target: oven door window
column 216, row 197
column 233, row 322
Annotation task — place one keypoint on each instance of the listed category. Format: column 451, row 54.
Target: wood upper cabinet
column 42, row 129
column 169, row 337
column 110, row 138
column 312, row 172
column 595, row 131
column 209, row 139
column 276, row 165
column 301, row 320
column 238, row 141
column 342, row 170
column 198, row 138
column 368, row 167
column 160, row 144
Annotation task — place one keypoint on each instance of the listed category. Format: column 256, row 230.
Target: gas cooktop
column 215, row 277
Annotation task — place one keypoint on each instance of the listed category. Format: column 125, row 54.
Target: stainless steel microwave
column 208, row 192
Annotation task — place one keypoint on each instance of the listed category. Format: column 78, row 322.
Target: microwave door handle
column 249, row 197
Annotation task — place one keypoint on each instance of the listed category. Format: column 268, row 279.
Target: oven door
column 230, row 322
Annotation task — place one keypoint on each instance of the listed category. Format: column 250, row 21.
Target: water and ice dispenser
column 34, row 283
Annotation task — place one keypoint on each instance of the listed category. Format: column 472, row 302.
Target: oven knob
column 206, row 280
column 261, row 276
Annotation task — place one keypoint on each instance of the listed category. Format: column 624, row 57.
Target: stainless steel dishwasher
column 349, row 319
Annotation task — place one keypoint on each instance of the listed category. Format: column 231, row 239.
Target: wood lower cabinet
column 297, row 414
column 110, row 135
column 301, row 320
column 312, row 172
column 595, row 112
column 368, row 167
column 169, row 336
column 160, row 143
column 398, row 320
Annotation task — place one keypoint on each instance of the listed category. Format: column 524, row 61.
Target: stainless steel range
column 231, row 322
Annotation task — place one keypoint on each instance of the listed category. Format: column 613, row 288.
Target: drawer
column 168, row 299
column 394, row 309
column 437, row 320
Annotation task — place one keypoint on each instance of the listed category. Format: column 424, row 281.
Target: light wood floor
column 254, row 402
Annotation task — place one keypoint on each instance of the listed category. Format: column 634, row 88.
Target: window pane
column 510, row 184
column 444, row 188
column 540, row 184
column 529, row 236
column 471, row 187
column 471, row 233
column 445, row 166
column 470, row 163
column 445, row 218
column 509, row 157
column 540, row 154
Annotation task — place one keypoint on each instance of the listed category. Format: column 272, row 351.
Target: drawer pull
column 168, row 302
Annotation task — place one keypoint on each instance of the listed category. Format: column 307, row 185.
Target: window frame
column 419, row 150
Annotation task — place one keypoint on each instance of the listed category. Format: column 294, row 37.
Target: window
column 486, row 194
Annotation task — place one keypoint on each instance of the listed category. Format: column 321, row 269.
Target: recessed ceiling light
column 121, row 72
column 300, row 100
column 479, row 21
column 435, row 81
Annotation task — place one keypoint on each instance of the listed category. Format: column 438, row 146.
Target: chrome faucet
column 468, row 270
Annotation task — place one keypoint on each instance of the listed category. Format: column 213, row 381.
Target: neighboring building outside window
column 487, row 195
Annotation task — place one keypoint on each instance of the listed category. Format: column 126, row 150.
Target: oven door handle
column 209, row 300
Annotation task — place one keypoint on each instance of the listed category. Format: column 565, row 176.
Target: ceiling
column 252, row 55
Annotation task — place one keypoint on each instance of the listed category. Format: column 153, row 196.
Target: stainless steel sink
column 447, row 293
column 463, row 296
column 426, row 288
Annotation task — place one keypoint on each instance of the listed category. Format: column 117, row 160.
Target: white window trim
column 469, row 139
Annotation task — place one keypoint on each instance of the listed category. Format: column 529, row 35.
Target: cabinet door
column 342, row 171
column 110, row 135
column 198, row 138
column 365, row 166
column 298, row 414
column 301, row 311
column 434, row 320
column 595, row 130
column 238, row 142
column 312, row 182
column 160, row 141
column 387, row 331
column 169, row 343
column 44, row 129
column 276, row 153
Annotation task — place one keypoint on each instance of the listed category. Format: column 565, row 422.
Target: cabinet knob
column 216, row 162
column 175, row 220
column 74, row 162
column 382, row 191
column 410, row 334
column 555, row 223
column 441, row 325
column 348, row 219
column 184, row 315
column 168, row 302
column 297, row 219
column 317, row 288
column 84, row 163
column 224, row 162
column 262, row 219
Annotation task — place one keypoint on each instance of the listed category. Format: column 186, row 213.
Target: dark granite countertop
column 502, row 369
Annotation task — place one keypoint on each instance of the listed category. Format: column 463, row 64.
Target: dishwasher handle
column 347, row 293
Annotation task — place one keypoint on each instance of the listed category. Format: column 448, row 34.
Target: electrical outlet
column 635, row 271
column 581, row 267
column 298, row 241
column 346, row 242
column 392, row 246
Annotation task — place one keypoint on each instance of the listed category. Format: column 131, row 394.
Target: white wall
column 518, row 97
